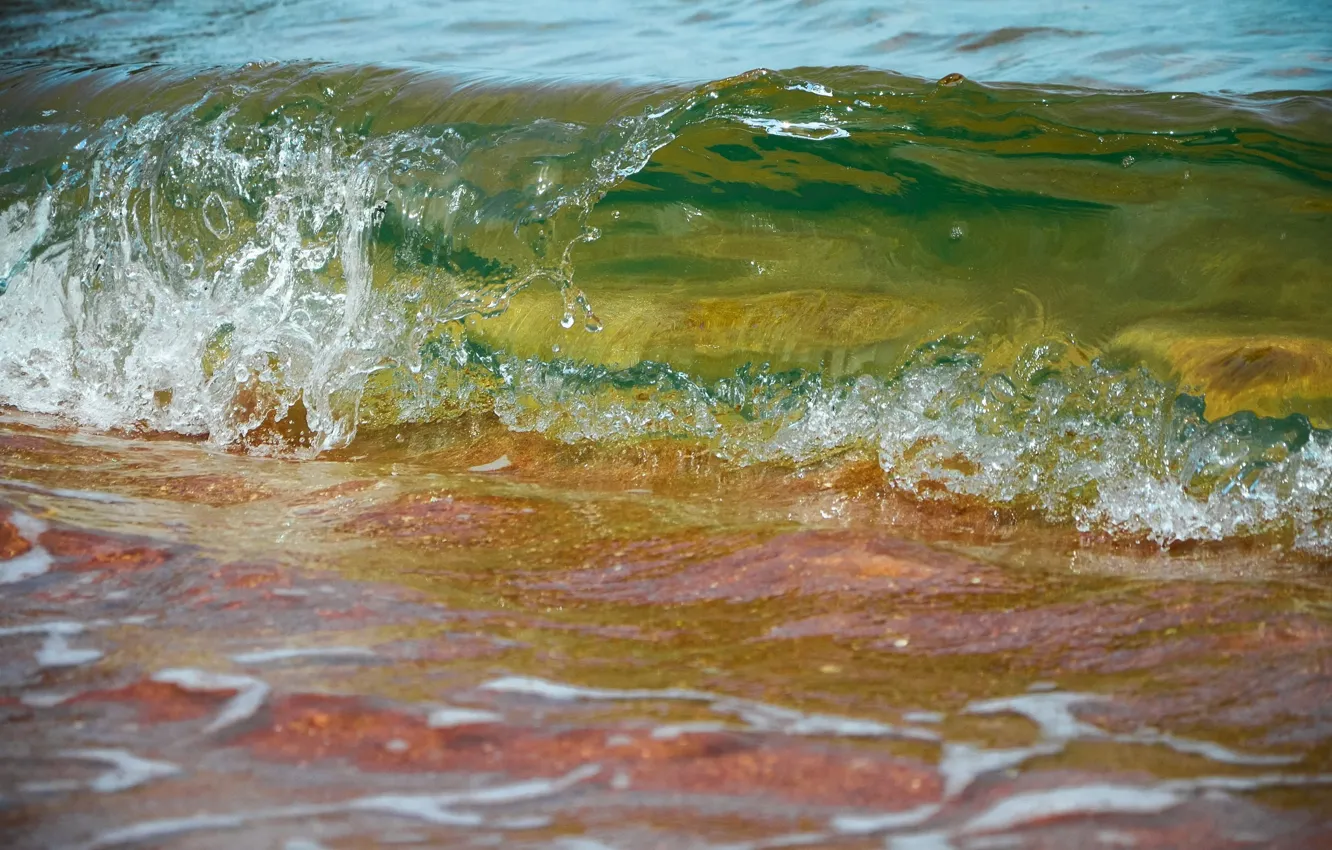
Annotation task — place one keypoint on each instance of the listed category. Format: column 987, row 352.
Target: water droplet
column 957, row 232
column 1127, row 161
column 567, row 320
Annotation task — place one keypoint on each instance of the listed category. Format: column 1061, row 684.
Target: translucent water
column 1104, row 307
column 986, row 288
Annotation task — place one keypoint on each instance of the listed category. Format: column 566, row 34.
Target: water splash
column 275, row 257
column 1108, row 450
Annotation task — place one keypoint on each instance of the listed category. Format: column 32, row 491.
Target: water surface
column 670, row 425
column 1186, row 46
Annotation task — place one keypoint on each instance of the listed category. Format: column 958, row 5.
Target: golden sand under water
column 638, row 646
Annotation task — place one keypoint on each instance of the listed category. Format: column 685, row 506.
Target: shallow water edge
column 368, row 650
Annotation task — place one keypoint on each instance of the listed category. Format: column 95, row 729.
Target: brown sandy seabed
column 632, row 647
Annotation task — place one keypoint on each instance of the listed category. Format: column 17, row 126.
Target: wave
column 1107, row 307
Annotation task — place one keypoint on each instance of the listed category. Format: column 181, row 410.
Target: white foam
column 1206, row 749
column 921, row 841
column 34, row 562
column 1099, row 799
column 1247, row 783
column 443, row 718
column 501, row 462
column 56, row 652
column 672, row 731
column 1051, row 711
column 987, row 829
column 814, row 130
column 250, row 695
column 961, row 764
column 418, row 807
column 431, row 808
column 758, row 716
column 51, row 786
column 64, row 627
column 43, row 699
column 531, row 789
column 127, row 770
column 269, row 656
column 82, row 495
column 156, row 830
column 1027, row 443
column 850, row 727
column 866, row 824
column 532, row 686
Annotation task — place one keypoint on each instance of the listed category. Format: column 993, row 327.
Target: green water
column 1108, row 308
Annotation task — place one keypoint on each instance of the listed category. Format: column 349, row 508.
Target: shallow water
column 482, row 432
column 633, row 650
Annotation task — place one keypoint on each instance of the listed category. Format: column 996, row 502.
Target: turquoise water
column 1193, row 45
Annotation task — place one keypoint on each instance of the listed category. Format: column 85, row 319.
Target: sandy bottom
column 486, row 639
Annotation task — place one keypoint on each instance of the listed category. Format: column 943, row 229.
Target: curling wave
column 1057, row 299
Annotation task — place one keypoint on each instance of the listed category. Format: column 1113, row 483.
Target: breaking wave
column 1055, row 299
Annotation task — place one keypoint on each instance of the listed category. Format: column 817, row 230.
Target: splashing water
column 786, row 269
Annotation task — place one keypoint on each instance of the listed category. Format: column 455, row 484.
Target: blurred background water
column 1194, row 45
